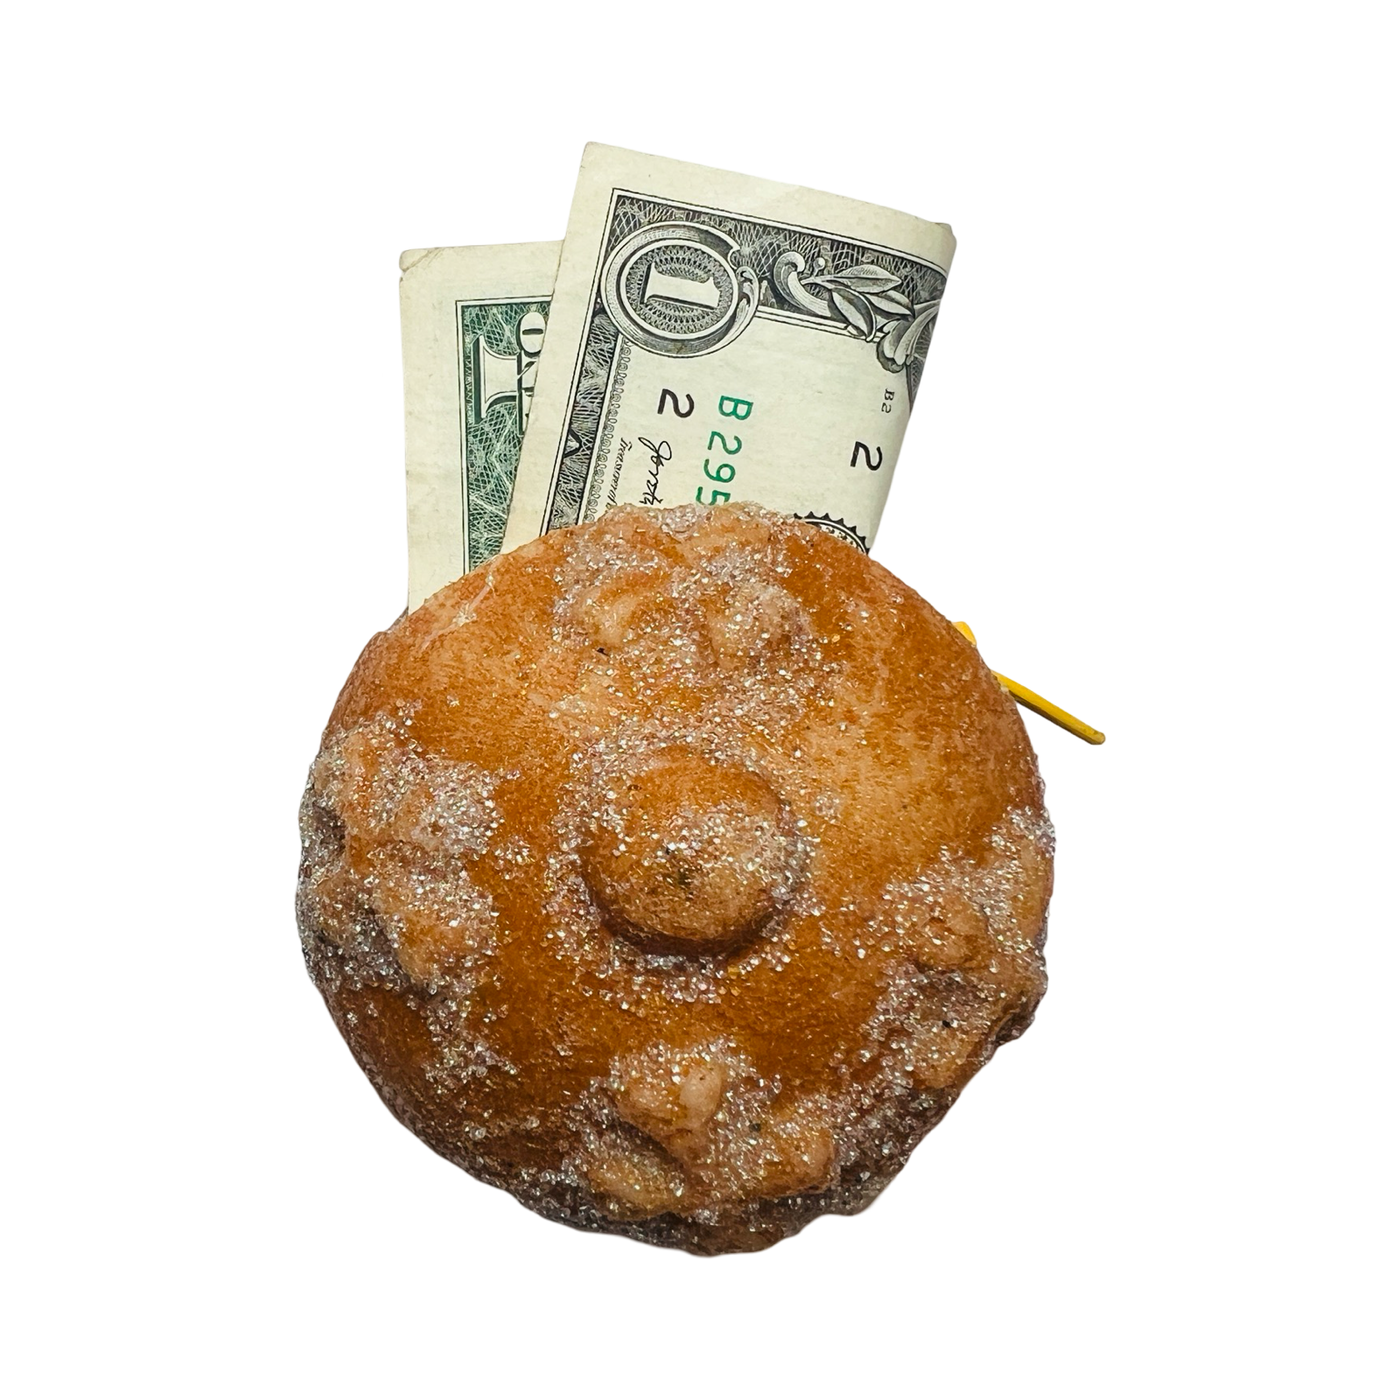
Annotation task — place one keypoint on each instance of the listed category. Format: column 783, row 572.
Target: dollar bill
column 473, row 326
column 715, row 337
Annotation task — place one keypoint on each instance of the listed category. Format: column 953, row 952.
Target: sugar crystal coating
column 675, row 873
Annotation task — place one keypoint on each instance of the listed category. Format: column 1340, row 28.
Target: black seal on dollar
column 839, row 528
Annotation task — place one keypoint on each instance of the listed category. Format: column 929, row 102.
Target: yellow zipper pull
column 1022, row 696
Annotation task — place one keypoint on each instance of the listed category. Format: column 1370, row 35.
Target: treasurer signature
column 660, row 454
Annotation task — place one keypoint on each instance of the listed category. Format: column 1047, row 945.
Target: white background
column 1151, row 463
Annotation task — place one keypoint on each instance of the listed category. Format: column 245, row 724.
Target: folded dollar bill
column 715, row 337
column 711, row 337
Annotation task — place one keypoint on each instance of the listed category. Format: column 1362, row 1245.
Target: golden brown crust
column 676, row 872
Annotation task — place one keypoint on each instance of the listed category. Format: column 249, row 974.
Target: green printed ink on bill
column 473, row 327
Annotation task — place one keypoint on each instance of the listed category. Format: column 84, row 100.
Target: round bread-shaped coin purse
column 675, row 872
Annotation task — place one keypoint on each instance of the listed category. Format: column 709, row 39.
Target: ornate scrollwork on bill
column 873, row 302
